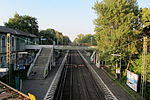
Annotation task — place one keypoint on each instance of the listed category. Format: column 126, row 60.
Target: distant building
column 18, row 42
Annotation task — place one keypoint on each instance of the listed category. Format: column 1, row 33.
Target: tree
column 59, row 37
column 66, row 40
column 87, row 39
column 78, row 38
column 48, row 36
column 145, row 12
column 24, row 23
column 115, row 24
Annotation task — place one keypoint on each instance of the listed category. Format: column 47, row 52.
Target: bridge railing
column 64, row 47
column 38, row 46
column 68, row 47
column 48, row 63
column 31, row 66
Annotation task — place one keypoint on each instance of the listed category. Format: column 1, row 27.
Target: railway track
column 9, row 93
column 77, row 82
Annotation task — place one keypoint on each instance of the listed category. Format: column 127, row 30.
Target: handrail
column 65, row 47
column 31, row 66
column 48, row 63
column 51, row 91
column 92, row 55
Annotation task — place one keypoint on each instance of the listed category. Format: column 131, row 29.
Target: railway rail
column 9, row 93
column 77, row 80
column 77, row 83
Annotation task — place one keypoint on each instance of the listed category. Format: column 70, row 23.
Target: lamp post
column 118, row 71
column 41, row 39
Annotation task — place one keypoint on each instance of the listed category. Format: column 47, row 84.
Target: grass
column 122, row 83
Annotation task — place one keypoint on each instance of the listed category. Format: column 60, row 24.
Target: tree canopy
column 145, row 12
column 115, row 23
column 24, row 23
column 29, row 24
column 49, row 35
column 88, row 39
column 66, row 40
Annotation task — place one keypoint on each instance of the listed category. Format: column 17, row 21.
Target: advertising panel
column 118, row 71
column 3, row 69
column 132, row 80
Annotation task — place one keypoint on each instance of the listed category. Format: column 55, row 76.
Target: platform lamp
column 41, row 39
column 118, row 70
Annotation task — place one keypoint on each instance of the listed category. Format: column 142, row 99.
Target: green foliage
column 87, row 38
column 120, row 27
column 136, row 65
column 145, row 12
column 50, row 35
column 47, row 36
column 78, row 38
column 59, row 37
column 29, row 24
column 115, row 24
column 24, row 23
column 66, row 40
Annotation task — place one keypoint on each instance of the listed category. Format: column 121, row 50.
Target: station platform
column 39, row 88
column 116, row 89
column 112, row 85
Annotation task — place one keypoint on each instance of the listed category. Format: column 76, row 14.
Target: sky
column 71, row 17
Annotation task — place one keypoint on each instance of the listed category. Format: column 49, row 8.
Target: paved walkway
column 39, row 88
column 111, row 84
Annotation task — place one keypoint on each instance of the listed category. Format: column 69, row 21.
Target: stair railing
column 31, row 66
column 48, row 63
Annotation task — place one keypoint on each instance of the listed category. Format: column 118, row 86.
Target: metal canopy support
column 8, row 57
column 8, row 49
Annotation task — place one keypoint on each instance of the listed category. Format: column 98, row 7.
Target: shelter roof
column 4, row 29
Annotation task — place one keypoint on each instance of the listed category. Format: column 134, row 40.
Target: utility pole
column 144, row 67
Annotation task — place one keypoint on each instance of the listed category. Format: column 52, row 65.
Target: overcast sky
column 71, row 17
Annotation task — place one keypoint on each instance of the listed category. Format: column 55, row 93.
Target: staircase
column 42, row 63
